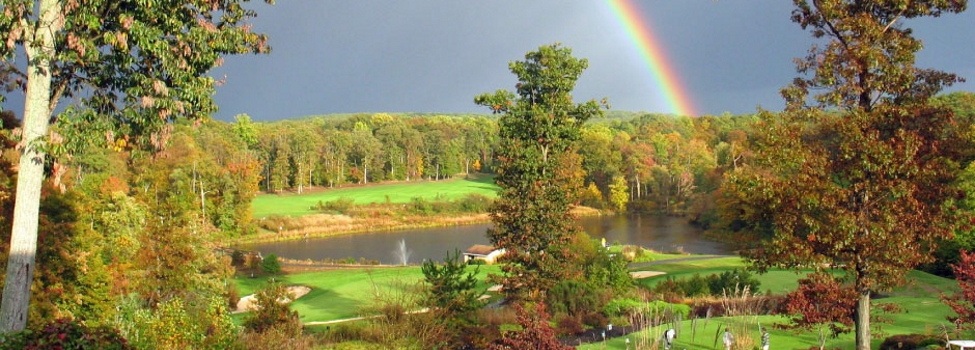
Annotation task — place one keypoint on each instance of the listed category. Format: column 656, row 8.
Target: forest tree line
column 660, row 163
column 665, row 160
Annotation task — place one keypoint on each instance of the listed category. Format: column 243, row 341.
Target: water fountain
column 402, row 253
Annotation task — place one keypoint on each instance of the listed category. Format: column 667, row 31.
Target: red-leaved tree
column 820, row 300
column 962, row 303
column 536, row 332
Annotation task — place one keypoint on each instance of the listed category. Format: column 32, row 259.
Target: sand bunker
column 645, row 274
column 247, row 303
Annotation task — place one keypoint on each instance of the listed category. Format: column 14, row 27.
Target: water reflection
column 660, row 233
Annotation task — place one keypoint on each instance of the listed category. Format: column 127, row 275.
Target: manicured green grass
column 923, row 311
column 776, row 281
column 920, row 316
column 297, row 205
column 648, row 255
column 339, row 294
column 923, row 317
column 691, row 266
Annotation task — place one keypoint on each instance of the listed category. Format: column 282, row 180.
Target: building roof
column 479, row 249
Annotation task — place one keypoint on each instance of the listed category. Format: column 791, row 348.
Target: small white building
column 482, row 252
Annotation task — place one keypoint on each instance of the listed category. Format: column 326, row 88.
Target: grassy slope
column 922, row 316
column 297, row 205
column 923, row 311
column 339, row 294
column 776, row 281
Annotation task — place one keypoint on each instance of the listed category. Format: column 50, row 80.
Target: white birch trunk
column 30, row 176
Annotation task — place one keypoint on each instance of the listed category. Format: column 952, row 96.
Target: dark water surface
column 661, row 233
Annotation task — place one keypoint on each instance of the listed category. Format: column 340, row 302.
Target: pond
column 661, row 233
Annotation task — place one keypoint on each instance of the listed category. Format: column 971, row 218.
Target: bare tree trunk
column 863, row 321
column 301, row 181
column 639, row 195
column 30, row 176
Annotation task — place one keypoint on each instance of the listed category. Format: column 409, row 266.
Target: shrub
column 573, row 297
column 622, row 307
column 232, row 295
column 452, row 287
column 274, row 338
column 419, row 205
column 65, row 334
column 595, row 320
column 276, row 223
column 479, row 336
column 908, row 341
column 350, row 332
column 569, row 325
column 341, row 205
column 712, row 285
column 535, row 333
column 270, row 264
column 630, row 307
column 474, row 203
column 697, row 286
column 497, row 316
column 273, row 312
column 734, row 280
column 633, row 252
column 660, row 307
column 237, row 258
column 175, row 324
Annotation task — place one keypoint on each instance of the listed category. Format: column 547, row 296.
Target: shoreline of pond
column 660, row 233
column 334, row 225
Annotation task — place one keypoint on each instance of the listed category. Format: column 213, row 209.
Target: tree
column 451, row 286
column 174, row 257
column 536, row 131
column 862, row 179
column 452, row 295
column 133, row 66
column 273, row 311
column 270, row 264
column 366, row 150
column 535, row 333
column 390, row 135
column 334, row 153
column 637, row 160
column 963, row 303
column 820, row 300
column 601, row 161
column 618, row 194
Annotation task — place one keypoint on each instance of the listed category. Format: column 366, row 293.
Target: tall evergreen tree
column 537, row 127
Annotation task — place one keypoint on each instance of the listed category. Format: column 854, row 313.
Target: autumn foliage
column 536, row 332
column 820, row 300
column 963, row 303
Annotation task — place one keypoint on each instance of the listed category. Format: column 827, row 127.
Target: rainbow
column 664, row 75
